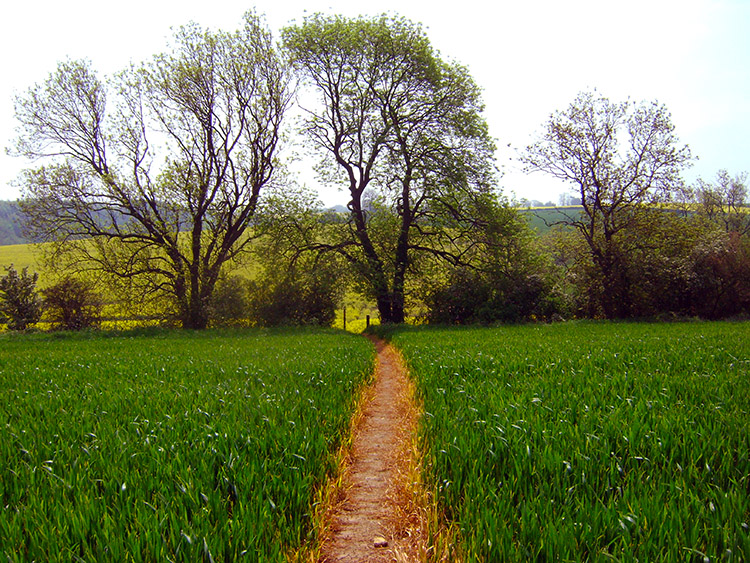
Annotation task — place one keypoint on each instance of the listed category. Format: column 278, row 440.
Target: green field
column 541, row 219
column 20, row 256
column 565, row 442
column 588, row 442
column 24, row 255
column 159, row 446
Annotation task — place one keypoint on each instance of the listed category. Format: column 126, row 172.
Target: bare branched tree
column 725, row 201
column 155, row 176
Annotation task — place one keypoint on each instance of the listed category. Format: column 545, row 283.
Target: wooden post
column 368, row 320
column 344, row 317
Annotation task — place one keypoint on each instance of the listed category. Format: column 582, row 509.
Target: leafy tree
column 621, row 158
column 156, row 175
column 725, row 202
column 506, row 279
column 19, row 301
column 719, row 282
column 296, row 286
column 72, row 304
column 401, row 129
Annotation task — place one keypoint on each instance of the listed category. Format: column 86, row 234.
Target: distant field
column 541, row 219
column 20, row 255
column 162, row 446
column 598, row 442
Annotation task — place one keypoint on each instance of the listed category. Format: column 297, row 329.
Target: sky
column 530, row 58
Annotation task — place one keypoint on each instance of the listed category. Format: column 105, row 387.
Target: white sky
column 531, row 58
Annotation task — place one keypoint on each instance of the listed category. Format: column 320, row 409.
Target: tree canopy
column 620, row 157
column 402, row 131
column 155, row 175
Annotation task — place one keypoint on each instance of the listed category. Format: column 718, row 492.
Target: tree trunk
column 402, row 246
column 397, row 307
column 196, row 316
column 397, row 293
column 192, row 301
column 384, row 307
column 391, row 307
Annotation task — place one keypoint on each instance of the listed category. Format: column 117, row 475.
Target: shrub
column 20, row 304
column 470, row 297
column 229, row 302
column 299, row 296
column 720, row 281
column 72, row 304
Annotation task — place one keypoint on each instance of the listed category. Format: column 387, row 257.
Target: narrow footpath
column 377, row 519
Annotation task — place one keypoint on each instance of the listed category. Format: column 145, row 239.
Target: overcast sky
column 530, row 57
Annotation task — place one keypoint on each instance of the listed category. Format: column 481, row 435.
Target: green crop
column 171, row 445
column 588, row 442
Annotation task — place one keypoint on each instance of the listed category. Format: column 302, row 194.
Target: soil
column 377, row 517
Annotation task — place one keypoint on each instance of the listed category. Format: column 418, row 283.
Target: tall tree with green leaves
column 621, row 158
column 402, row 131
column 155, row 176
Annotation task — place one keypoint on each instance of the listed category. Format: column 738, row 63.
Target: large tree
column 402, row 131
column 155, row 176
column 621, row 158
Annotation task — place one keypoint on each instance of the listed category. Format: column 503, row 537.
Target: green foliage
column 159, row 445
column 504, row 278
column 620, row 158
column 19, row 302
column 73, row 304
column 470, row 297
column 229, row 302
column 670, row 263
column 402, row 131
column 720, row 276
column 307, row 293
column 587, row 442
column 301, row 282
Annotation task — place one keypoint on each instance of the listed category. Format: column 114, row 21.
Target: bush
column 300, row 296
column 72, row 304
column 229, row 302
column 20, row 304
column 720, row 281
column 470, row 297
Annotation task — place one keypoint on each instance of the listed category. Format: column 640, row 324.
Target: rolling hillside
column 10, row 226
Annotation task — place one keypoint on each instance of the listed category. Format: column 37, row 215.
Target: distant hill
column 10, row 224
column 10, row 219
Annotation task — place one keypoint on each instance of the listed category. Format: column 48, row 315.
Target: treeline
column 688, row 261
column 164, row 181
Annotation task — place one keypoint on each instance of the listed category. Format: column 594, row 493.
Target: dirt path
column 377, row 519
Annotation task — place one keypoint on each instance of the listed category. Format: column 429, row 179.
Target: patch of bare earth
column 377, row 517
